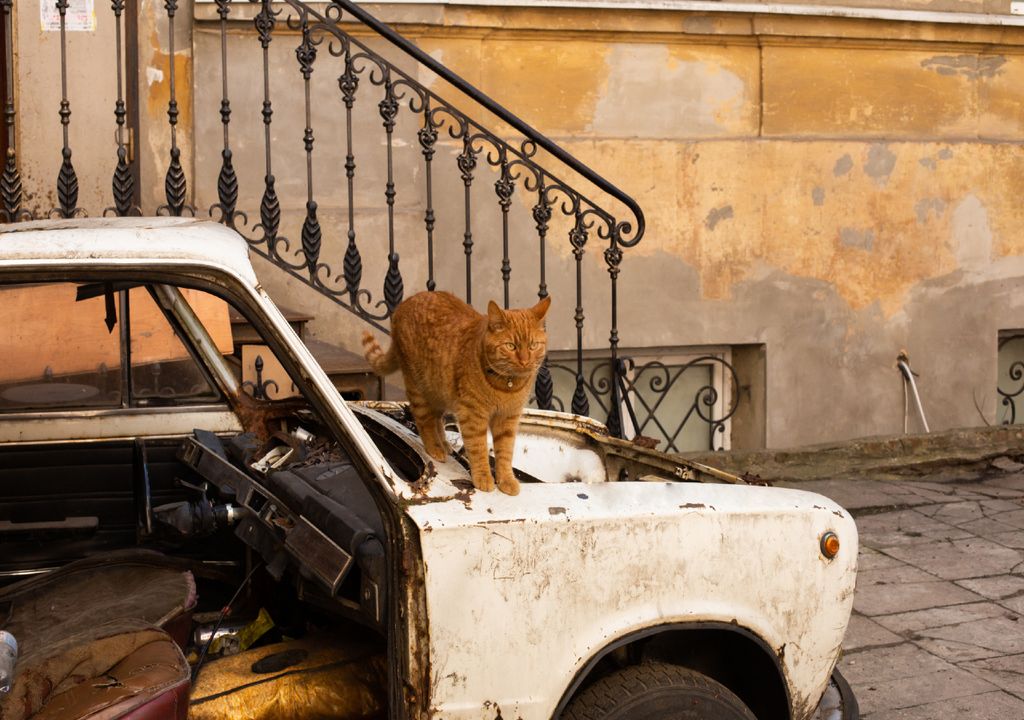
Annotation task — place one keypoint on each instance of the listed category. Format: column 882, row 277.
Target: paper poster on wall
column 80, row 15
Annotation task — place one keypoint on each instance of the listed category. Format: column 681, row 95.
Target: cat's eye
column 510, row 345
column 534, row 345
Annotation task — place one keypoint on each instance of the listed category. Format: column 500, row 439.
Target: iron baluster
column 306, row 55
column 352, row 267
column 613, row 258
column 175, row 185
column 388, row 107
column 504, row 186
column 260, row 388
column 270, row 207
column 67, row 180
column 543, row 386
column 10, row 181
column 123, row 181
column 227, row 180
column 578, row 240
column 428, row 137
column 467, row 163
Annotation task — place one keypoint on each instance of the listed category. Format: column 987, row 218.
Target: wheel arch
column 730, row 654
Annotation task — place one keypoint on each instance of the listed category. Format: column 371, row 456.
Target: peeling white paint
column 154, row 75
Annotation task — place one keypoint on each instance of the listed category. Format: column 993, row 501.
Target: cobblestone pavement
column 938, row 622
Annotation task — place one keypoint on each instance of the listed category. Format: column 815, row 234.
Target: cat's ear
column 495, row 316
column 541, row 309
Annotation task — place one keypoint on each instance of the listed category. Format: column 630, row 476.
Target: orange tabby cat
column 481, row 367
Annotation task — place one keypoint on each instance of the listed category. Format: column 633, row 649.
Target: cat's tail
column 383, row 363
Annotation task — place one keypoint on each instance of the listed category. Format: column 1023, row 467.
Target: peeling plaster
column 843, row 165
column 818, row 195
column 971, row 67
column 880, row 163
column 862, row 238
column 717, row 215
column 925, row 205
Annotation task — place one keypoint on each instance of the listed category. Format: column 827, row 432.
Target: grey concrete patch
column 843, row 165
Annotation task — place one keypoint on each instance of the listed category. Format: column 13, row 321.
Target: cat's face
column 516, row 342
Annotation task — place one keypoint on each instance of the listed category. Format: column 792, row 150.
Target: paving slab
column 884, row 664
column 995, row 587
column 908, row 527
column 919, row 690
column 986, row 706
column 889, row 599
column 958, row 559
column 1006, row 671
column 930, row 618
column 863, row 632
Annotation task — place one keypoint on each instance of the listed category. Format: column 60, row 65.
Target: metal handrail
column 409, row 48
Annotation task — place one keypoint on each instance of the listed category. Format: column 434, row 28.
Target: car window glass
column 57, row 351
column 163, row 370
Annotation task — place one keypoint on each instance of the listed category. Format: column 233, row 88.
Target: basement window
column 683, row 399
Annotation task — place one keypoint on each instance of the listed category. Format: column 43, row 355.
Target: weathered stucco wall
column 835, row 189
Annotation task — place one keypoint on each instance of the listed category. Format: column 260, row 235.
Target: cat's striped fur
column 479, row 367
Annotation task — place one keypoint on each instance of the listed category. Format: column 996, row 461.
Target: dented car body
column 462, row 604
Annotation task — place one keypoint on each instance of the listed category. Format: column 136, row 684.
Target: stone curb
column 881, row 457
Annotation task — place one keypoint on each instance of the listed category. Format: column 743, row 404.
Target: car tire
column 657, row 691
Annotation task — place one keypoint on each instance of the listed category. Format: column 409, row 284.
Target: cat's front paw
column 508, row 484
column 483, row 481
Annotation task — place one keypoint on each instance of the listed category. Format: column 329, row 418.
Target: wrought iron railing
column 442, row 133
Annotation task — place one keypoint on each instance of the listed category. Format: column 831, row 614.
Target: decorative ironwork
column 123, row 182
column 175, row 183
column 427, row 137
column 260, row 387
column 227, row 180
column 10, row 180
column 479, row 155
column 67, row 180
column 1015, row 374
column 644, row 389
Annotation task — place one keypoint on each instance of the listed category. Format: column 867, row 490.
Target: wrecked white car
column 178, row 545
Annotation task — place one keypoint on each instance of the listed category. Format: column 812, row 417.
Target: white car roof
column 126, row 240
